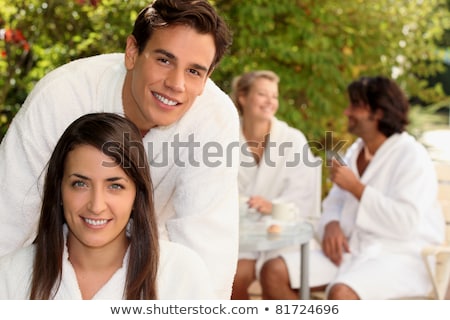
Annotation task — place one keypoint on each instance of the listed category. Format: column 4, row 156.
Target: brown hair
column 384, row 94
column 120, row 139
column 198, row 14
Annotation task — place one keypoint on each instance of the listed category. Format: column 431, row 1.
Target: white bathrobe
column 398, row 215
column 285, row 174
column 182, row 274
column 195, row 184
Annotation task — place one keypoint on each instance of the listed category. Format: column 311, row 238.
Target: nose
column 97, row 203
column 175, row 80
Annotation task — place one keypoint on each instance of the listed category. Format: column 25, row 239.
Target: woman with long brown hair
column 97, row 236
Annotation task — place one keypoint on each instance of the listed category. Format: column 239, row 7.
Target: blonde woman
column 276, row 165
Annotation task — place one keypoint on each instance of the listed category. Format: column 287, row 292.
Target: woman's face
column 261, row 102
column 97, row 197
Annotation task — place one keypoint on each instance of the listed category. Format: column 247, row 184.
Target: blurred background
column 316, row 47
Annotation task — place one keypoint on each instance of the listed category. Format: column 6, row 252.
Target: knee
column 245, row 272
column 274, row 270
column 341, row 291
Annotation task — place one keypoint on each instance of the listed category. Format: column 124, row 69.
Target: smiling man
column 162, row 84
column 381, row 211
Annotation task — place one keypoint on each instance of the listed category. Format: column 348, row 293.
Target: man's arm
column 24, row 152
column 206, row 201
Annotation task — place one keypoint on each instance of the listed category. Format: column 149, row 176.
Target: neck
column 130, row 107
column 100, row 259
column 144, row 132
column 374, row 143
column 255, row 130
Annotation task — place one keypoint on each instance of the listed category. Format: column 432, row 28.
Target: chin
column 166, row 122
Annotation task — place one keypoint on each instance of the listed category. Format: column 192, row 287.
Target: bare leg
column 341, row 291
column 275, row 281
column 245, row 274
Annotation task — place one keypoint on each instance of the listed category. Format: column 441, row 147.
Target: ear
column 379, row 114
column 241, row 99
column 206, row 79
column 211, row 71
column 131, row 52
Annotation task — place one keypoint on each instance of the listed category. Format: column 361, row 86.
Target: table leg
column 304, row 272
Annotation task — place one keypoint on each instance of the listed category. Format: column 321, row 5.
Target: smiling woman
column 97, row 235
column 97, row 200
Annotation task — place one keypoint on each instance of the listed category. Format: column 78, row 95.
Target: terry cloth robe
column 182, row 274
column 194, row 162
column 285, row 174
column 397, row 216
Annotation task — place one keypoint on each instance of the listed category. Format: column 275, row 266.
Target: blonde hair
column 242, row 84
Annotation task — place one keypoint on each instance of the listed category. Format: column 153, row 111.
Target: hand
column 259, row 203
column 344, row 177
column 334, row 242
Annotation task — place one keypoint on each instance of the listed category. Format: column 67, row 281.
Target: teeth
column 95, row 222
column 165, row 100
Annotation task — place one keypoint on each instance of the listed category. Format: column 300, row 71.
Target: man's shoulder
column 73, row 82
column 406, row 144
column 214, row 109
column 79, row 70
column 213, row 94
column 88, row 63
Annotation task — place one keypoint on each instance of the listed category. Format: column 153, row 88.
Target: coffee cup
column 284, row 211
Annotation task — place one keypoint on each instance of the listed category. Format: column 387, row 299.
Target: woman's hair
column 119, row 139
column 381, row 93
column 242, row 84
column 197, row 14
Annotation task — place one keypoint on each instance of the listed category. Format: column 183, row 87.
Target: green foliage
column 57, row 31
column 316, row 46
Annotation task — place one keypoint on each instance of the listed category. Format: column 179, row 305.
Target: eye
column 116, row 186
column 163, row 60
column 194, row 72
column 79, row 184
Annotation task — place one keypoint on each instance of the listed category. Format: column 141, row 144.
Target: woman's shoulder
column 282, row 129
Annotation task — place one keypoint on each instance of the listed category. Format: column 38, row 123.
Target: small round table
column 254, row 237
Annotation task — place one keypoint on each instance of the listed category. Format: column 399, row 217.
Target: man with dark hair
column 162, row 85
column 382, row 209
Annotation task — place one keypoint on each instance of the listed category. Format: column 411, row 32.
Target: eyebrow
column 112, row 179
column 172, row 57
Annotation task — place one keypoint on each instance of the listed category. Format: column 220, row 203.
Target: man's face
column 360, row 119
column 164, row 80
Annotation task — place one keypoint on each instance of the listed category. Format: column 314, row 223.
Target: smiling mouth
column 164, row 100
column 266, row 109
column 94, row 222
